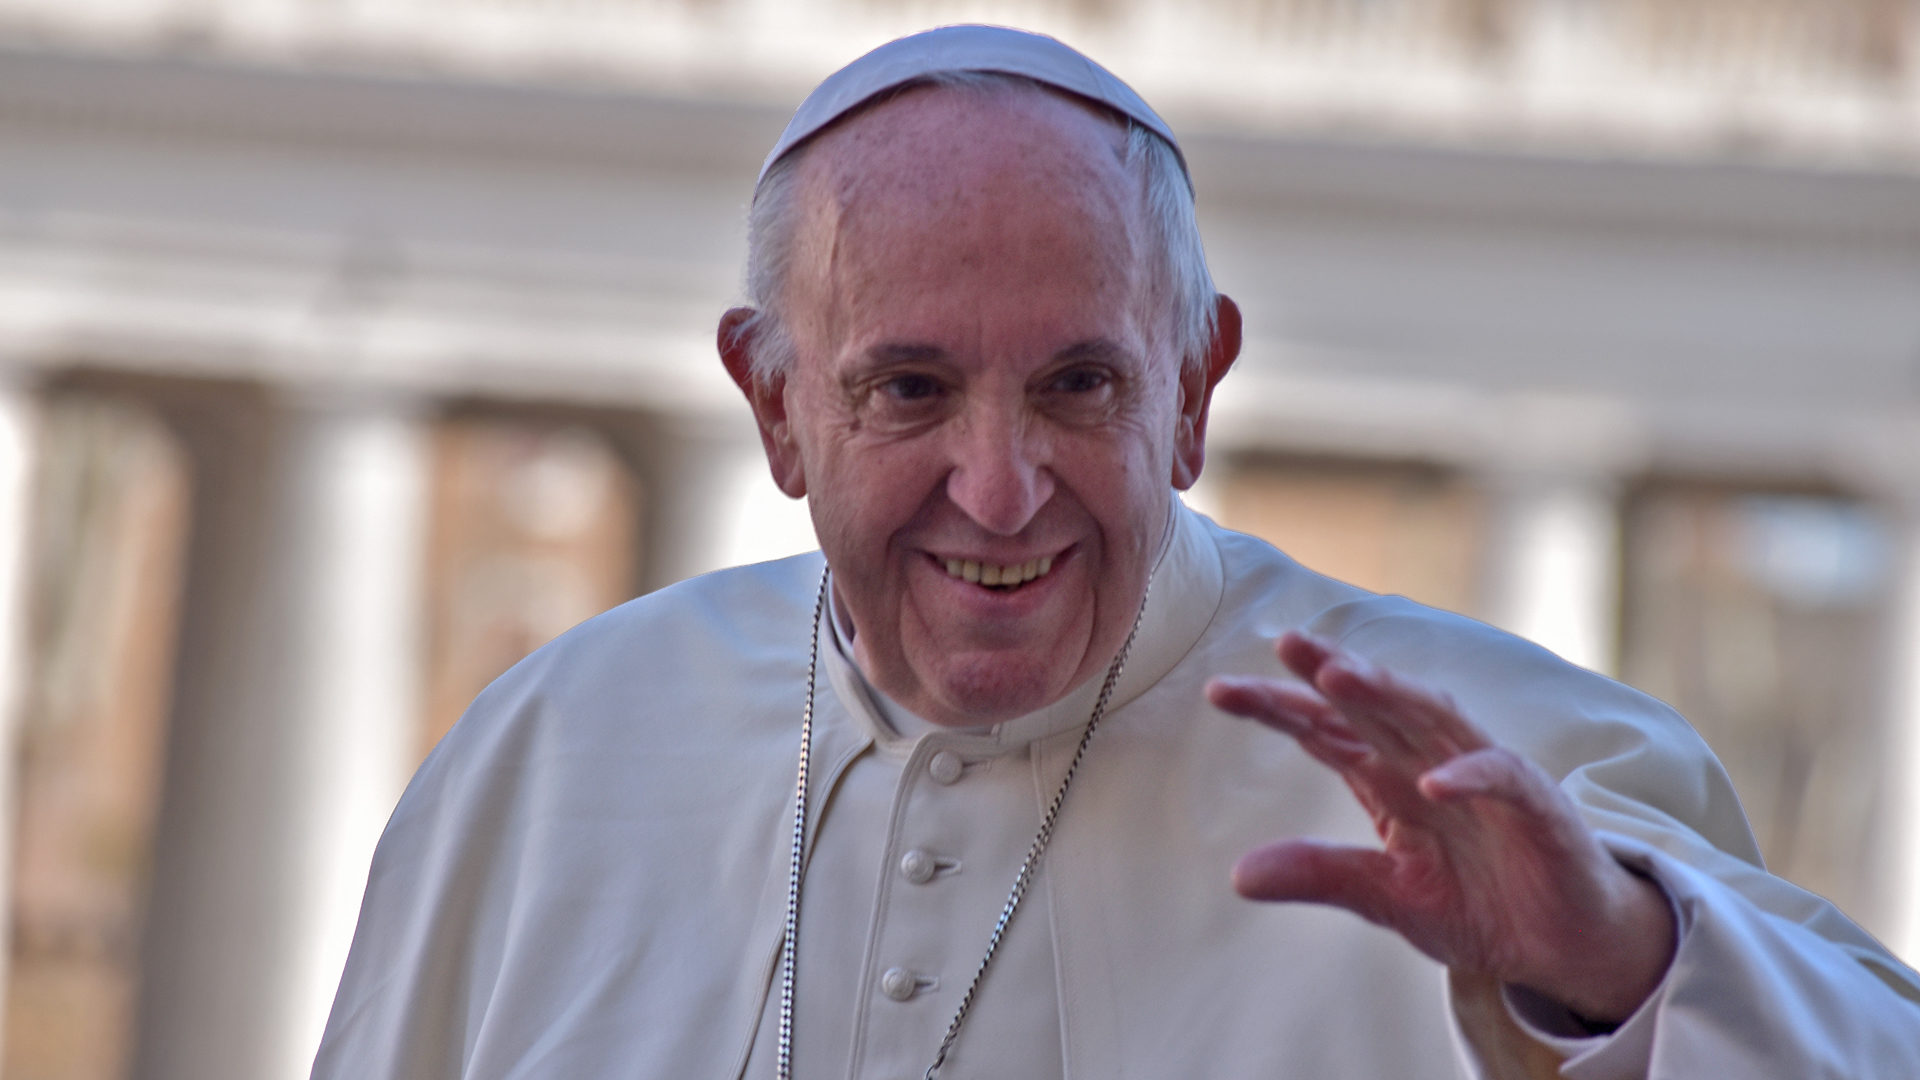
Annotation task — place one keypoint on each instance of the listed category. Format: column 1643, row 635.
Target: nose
column 1001, row 474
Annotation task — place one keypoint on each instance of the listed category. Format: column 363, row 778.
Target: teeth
column 995, row 574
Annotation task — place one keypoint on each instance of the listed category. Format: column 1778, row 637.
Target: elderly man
column 959, row 798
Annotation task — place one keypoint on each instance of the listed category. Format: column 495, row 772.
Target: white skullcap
column 965, row 48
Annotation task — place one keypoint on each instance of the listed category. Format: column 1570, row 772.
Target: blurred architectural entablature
column 208, row 218
column 1836, row 81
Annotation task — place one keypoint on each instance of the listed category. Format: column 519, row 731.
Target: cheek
column 1137, row 487
column 866, row 495
column 1121, row 487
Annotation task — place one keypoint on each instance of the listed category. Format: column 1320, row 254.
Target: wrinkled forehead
column 914, row 194
column 940, row 147
column 986, row 49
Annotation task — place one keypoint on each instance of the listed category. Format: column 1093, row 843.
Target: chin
column 994, row 690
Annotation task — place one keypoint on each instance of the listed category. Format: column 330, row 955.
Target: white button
column 898, row 984
column 918, row 867
column 945, row 767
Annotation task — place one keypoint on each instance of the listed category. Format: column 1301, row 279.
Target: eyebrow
column 1095, row 349
column 890, row 353
column 1091, row 350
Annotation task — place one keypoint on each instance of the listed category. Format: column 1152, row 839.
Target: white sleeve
column 1768, row 980
column 1749, row 994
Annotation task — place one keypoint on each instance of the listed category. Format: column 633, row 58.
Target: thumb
column 1317, row 873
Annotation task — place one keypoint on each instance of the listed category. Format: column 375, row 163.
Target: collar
column 1188, row 583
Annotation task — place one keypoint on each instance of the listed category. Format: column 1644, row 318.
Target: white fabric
column 863, row 915
column 587, row 877
column 998, row 49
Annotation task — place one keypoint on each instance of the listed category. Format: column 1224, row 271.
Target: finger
column 1309, row 871
column 1499, row 774
column 1314, row 659
column 1323, row 734
column 1303, row 653
column 1295, row 711
column 1396, row 713
column 1493, row 773
column 1541, row 817
column 1271, row 701
column 1376, row 711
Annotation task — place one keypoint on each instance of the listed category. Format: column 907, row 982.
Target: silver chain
column 787, row 945
column 1021, row 880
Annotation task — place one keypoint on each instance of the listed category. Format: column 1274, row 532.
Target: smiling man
column 988, row 383
column 958, row 795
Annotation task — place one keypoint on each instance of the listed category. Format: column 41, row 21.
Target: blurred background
column 349, row 349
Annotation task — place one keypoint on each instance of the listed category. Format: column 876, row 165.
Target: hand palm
column 1485, row 865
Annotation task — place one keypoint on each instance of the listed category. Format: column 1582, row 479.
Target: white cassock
column 588, row 876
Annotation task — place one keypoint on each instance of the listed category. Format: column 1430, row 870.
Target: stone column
column 294, row 724
column 1554, row 564
column 16, row 477
column 1881, row 457
column 1901, row 664
column 710, row 501
column 360, row 498
column 1553, row 569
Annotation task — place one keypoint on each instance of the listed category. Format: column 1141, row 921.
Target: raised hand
column 1485, row 865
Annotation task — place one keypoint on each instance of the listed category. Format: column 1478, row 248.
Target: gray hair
column 1167, row 196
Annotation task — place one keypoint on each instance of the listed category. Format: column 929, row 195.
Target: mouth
column 1005, row 577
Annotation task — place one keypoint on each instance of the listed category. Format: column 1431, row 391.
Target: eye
column 1080, row 381
column 899, row 401
column 910, row 387
column 1082, row 395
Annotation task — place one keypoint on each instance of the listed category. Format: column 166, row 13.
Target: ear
column 1196, row 393
column 767, row 396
